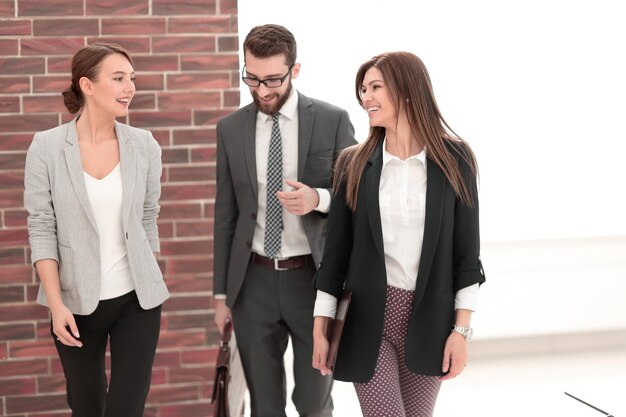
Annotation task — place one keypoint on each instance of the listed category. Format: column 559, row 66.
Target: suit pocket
column 151, row 263
column 66, row 268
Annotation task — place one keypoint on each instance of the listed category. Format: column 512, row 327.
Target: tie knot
column 275, row 117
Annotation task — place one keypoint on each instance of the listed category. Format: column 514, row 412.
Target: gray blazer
column 61, row 225
column 323, row 131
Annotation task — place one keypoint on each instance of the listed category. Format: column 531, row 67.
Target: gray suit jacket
column 61, row 224
column 323, row 131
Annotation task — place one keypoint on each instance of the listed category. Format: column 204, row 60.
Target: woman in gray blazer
column 91, row 190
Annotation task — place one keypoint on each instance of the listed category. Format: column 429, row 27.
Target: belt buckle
column 276, row 267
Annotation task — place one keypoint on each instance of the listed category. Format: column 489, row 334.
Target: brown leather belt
column 283, row 264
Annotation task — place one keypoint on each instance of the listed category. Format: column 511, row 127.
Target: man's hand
column 320, row 345
column 301, row 201
column 222, row 314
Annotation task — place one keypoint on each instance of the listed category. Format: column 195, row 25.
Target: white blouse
column 402, row 200
column 105, row 197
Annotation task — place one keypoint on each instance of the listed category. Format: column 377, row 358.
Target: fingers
column 295, row 184
column 320, row 356
column 65, row 337
column 63, row 323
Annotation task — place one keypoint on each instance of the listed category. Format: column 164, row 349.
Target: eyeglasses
column 268, row 82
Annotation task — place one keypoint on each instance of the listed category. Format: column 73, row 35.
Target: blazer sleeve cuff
column 38, row 254
column 468, row 278
column 329, row 283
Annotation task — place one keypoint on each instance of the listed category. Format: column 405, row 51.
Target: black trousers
column 272, row 307
column 133, row 334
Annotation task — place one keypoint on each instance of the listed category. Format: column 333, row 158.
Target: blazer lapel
column 305, row 131
column 248, row 133
column 372, row 185
column 75, row 169
column 435, row 191
column 128, row 167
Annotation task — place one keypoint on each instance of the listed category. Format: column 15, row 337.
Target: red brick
column 144, row 101
column 3, row 351
column 7, row 8
column 227, row 43
column 50, row 8
column 33, row 349
column 175, row 155
column 210, row 62
column 190, row 174
column 149, row 82
column 194, row 136
column 166, row 230
column 210, row 24
column 197, row 409
column 50, row 83
column 15, row 142
column 117, row 7
column 161, row 136
column 190, row 7
column 15, row 218
column 12, row 180
column 193, row 247
column 181, row 44
column 181, row 339
column 14, row 160
column 53, row 414
column 10, row 198
column 130, row 26
column 160, row 119
column 209, row 117
column 15, row 27
column 23, row 312
column 60, row 65
column 156, row 63
column 169, row 394
column 186, row 192
column 186, row 303
column 167, row 358
column 159, row 376
column 32, row 403
column 228, row 7
column 10, row 256
column 51, row 384
column 197, row 81
column 9, row 104
column 180, row 211
column 66, row 27
column 188, row 266
column 189, row 100
column 20, row 386
column 8, row 47
column 207, row 154
column 185, row 284
column 51, row 46
column 45, row 104
column 13, row 294
column 192, row 374
column 17, row 331
column 209, row 209
column 194, row 228
column 13, row 66
column 14, row 85
column 201, row 356
column 26, row 123
column 31, row 291
column 24, row 367
column 134, row 45
column 231, row 99
column 188, row 320
column 15, row 274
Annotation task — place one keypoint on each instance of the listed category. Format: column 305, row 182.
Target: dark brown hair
column 270, row 40
column 86, row 63
column 408, row 85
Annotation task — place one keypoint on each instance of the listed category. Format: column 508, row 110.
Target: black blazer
column 354, row 256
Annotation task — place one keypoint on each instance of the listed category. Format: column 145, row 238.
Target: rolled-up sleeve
column 42, row 230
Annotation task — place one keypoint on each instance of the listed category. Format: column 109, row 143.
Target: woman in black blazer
column 403, row 237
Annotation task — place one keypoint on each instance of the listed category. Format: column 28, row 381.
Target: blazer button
column 253, row 215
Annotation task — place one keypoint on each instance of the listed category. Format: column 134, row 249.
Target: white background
column 536, row 87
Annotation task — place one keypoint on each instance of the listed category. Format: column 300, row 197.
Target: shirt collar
column 288, row 110
column 387, row 157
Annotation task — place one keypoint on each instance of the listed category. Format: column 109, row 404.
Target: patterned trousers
column 395, row 391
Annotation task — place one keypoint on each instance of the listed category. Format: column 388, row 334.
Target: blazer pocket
column 151, row 263
column 66, row 268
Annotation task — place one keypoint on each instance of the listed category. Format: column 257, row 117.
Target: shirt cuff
column 324, row 204
column 325, row 305
column 466, row 298
column 219, row 296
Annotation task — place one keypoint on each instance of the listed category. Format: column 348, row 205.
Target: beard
column 272, row 108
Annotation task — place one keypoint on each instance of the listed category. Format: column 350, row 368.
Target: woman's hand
column 320, row 345
column 454, row 356
column 62, row 318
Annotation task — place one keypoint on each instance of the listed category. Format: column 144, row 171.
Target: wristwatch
column 466, row 332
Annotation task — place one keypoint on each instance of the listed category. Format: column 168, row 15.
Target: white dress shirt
column 105, row 197
column 402, row 200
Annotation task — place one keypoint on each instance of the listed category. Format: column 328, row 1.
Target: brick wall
column 186, row 55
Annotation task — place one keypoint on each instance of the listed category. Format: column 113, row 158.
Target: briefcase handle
column 225, row 338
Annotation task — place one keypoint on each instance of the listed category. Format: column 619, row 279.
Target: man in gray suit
column 274, row 168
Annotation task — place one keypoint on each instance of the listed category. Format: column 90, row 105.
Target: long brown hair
column 86, row 63
column 408, row 85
